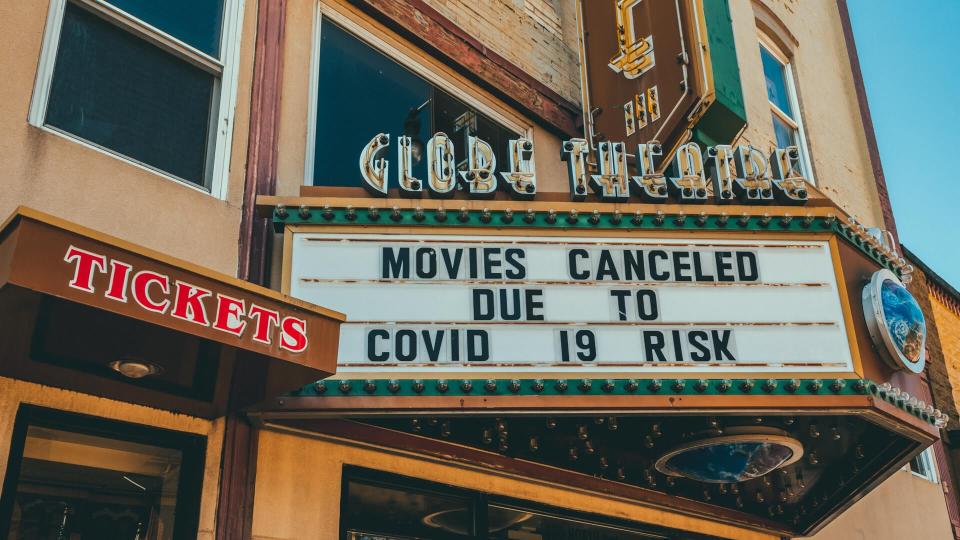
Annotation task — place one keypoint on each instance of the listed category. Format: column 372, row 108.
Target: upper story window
column 784, row 106
column 362, row 91
column 149, row 81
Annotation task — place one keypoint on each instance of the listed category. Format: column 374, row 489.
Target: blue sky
column 909, row 58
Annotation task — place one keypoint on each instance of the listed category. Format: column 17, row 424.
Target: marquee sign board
column 508, row 306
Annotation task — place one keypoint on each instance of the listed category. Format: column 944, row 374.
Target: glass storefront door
column 75, row 477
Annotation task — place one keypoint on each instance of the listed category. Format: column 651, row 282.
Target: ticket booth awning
column 84, row 311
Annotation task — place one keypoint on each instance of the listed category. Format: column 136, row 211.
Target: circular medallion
column 730, row 458
column 895, row 321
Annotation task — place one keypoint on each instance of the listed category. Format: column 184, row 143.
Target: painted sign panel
column 642, row 59
column 429, row 305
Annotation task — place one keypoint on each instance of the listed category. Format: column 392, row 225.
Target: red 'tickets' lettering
column 229, row 313
column 83, row 273
column 293, row 334
column 187, row 301
column 141, row 290
column 188, row 304
column 119, row 273
column 264, row 318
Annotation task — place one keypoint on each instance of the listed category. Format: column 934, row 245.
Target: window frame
column 193, row 448
column 223, row 107
column 371, row 36
column 929, row 464
column 766, row 44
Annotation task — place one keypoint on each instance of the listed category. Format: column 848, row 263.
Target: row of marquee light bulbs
column 878, row 239
column 894, row 394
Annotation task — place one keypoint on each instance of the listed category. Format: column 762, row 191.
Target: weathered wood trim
column 238, row 474
column 239, row 459
column 262, row 150
column 438, row 35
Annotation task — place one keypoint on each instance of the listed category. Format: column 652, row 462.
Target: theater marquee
column 442, row 305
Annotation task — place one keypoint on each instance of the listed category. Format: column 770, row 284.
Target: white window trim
column 225, row 87
column 796, row 123
column 456, row 89
column 929, row 463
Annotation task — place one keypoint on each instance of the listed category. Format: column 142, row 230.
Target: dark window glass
column 776, row 77
column 510, row 523
column 124, row 94
column 916, row 465
column 77, row 478
column 362, row 92
column 382, row 512
column 195, row 22
column 383, row 506
column 922, row 465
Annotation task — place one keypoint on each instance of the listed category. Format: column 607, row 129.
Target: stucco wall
column 825, row 88
column 905, row 506
column 70, row 180
column 298, row 489
column 13, row 393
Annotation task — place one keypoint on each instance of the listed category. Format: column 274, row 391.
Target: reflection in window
column 382, row 512
column 380, row 506
column 775, row 74
column 123, row 93
column 152, row 96
column 781, row 94
column 77, row 485
column 195, row 22
column 784, row 132
column 517, row 524
column 923, row 465
column 363, row 92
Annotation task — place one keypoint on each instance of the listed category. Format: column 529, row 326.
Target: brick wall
column 539, row 36
column 942, row 373
column 943, row 347
column 946, row 319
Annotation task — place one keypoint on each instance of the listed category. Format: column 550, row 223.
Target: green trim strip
column 876, row 255
column 564, row 220
column 573, row 220
column 606, row 387
column 583, row 387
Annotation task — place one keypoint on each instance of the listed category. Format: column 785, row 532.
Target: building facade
column 587, row 269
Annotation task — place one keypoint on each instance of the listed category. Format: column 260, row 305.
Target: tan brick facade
column 941, row 307
column 943, row 368
column 539, row 36
column 946, row 319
